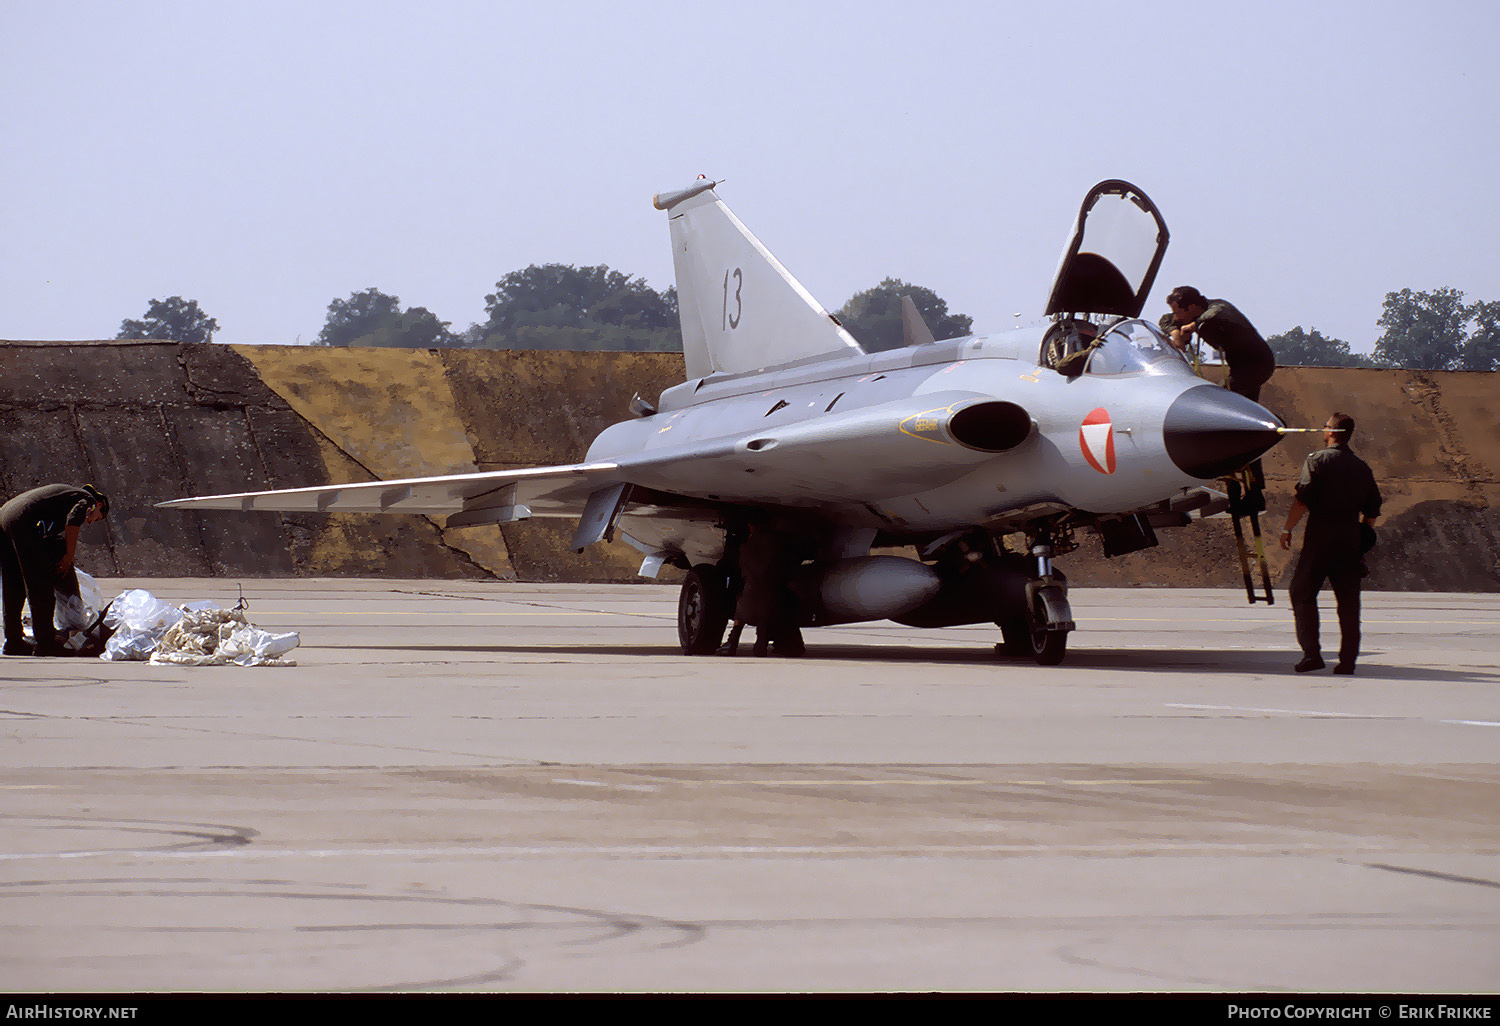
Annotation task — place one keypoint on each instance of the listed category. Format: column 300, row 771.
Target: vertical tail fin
column 740, row 309
column 914, row 330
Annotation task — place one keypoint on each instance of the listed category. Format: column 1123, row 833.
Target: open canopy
column 1113, row 255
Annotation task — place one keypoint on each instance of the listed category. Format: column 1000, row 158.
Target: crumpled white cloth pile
column 215, row 637
column 196, row 634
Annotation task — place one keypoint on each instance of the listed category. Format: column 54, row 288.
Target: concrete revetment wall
column 149, row 420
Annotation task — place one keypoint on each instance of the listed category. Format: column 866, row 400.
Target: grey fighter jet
column 987, row 455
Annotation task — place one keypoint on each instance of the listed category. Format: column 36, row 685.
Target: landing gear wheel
column 1047, row 647
column 702, row 610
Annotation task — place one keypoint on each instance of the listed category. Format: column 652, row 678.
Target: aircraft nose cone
column 1210, row 431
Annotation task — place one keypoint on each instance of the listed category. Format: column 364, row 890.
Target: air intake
column 996, row 426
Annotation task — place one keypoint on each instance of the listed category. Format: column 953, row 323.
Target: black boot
column 789, row 642
column 732, row 645
column 48, row 645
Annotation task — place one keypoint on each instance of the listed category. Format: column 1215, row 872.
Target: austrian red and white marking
column 1096, row 437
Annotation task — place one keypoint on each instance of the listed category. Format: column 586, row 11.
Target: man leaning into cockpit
column 1230, row 332
column 1251, row 362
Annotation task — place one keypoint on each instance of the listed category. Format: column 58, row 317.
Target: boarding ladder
column 1246, row 490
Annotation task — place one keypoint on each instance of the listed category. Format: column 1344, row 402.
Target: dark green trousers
column 1332, row 559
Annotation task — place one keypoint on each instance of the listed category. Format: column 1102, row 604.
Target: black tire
column 702, row 610
column 1047, row 647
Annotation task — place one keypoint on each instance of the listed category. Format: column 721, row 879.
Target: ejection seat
column 1067, row 344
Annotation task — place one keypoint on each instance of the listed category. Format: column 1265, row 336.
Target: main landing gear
column 703, row 610
column 1021, row 592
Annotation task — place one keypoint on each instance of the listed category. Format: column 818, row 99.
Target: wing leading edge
column 494, row 497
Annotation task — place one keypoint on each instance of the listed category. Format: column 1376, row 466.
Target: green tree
column 561, row 294
column 419, row 328
column 177, row 319
column 873, row 316
column 1423, row 330
column 559, row 306
column 1481, row 350
column 1299, row 348
column 1432, row 331
column 361, row 314
column 373, row 318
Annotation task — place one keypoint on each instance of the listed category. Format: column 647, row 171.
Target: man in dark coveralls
column 767, row 559
column 38, row 539
column 1337, row 493
column 1216, row 322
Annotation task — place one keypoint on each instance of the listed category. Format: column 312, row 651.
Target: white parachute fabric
column 196, row 634
column 138, row 619
column 74, row 616
column 78, row 612
column 217, row 637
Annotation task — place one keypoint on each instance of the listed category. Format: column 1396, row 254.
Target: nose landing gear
column 1037, row 617
column 1048, row 616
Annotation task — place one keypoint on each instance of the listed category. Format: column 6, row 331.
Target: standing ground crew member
column 767, row 560
column 1251, row 362
column 1337, row 492
column 38, row 539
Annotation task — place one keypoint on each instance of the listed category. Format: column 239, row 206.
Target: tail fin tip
column 668, row 200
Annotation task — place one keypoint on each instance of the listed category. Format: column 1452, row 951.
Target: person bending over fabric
column 38, row 540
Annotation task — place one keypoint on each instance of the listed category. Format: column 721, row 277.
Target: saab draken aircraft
column 986, row 455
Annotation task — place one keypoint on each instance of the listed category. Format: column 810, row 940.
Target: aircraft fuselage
column 807, row 437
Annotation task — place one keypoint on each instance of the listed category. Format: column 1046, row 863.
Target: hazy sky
column 267, row 158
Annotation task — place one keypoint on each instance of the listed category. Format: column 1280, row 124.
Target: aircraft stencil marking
column 928, row 425
column 732, row 320
column 1096, row 437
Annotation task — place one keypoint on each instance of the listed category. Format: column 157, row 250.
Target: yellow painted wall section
column 393, row 413
column 390, row 409
column 1428, row 435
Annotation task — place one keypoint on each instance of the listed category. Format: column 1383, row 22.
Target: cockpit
column 1106, row 271
column 1131, row 346
column 1134, row 347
